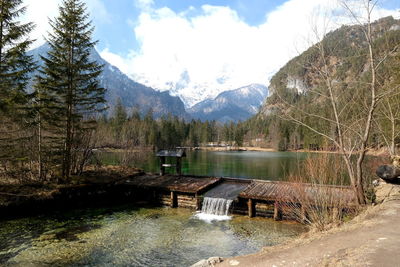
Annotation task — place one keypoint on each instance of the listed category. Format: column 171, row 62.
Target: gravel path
column 371, row 239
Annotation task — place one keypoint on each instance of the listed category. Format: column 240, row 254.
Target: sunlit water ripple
column 134, row 236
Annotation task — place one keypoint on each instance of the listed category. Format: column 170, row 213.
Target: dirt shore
column 370, row 239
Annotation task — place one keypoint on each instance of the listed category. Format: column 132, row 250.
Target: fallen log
column 389, row 173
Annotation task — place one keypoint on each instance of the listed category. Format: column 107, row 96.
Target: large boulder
column 389, row 173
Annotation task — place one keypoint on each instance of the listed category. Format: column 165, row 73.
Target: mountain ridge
column 131, row 93
column 232, row 105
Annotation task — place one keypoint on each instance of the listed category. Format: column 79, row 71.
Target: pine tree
column 120, row 116
column 15, row 66
column 68, row 80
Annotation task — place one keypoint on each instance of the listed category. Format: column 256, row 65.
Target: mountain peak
column 232, row 105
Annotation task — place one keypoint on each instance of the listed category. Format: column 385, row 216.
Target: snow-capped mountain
column 190, row 90
column 233, row 105
column 131, row 93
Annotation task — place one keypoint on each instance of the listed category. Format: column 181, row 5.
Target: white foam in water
column 214, row 209
column 211, row 217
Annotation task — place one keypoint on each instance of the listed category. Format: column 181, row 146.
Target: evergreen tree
column 68, row 79
column 15, row 66
column 119, row 118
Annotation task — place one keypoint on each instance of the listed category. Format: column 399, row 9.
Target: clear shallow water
column 241, row 164
column 133, row 236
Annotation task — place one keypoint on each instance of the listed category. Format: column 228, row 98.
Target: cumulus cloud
column 198, row 53
column 197, row 57
column 39, row 12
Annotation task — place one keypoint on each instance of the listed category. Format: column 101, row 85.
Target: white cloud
column 39, row 13
column 144, row 4
column 197, row 57
column 199, row 53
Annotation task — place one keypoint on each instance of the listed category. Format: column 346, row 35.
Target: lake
column 241, row 164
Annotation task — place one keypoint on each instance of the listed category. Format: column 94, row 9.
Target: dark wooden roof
column 285, row 191
column 178, row 153
column 183, row 184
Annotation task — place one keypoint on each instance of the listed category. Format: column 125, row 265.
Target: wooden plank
column 182, row 184
column 271, row 191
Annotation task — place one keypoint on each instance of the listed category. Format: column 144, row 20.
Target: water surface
column 127, row 236
column 240, row 164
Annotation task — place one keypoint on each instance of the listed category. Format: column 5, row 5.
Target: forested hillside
column 299, row 91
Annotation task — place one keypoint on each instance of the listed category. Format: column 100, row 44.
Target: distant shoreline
column 378, row 153
column 371, row 152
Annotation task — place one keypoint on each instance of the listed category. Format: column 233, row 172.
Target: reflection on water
column 134, row 237
column 242, row 164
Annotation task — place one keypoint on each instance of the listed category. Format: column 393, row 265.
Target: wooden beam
column 251, row 208
column 162, row 168
column 277, row 212
column 198, row 202
column 178, row 166
column 174, row 200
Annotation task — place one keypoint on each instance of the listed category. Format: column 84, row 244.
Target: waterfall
column 218, row 200
column 215, row 209
column 216, row 206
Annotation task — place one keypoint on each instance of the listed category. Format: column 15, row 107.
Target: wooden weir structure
column 258, row 198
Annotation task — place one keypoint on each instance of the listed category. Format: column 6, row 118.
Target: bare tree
column 345, row 107
column 388, row 122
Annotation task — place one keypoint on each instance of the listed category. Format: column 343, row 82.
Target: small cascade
column 216, row 206
column 215, row 209
column 218, row 200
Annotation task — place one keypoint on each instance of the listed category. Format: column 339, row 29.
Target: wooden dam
column 275, row 199
column 252, row 197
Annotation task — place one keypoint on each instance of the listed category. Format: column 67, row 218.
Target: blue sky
column 116, row 33
column 198, row 48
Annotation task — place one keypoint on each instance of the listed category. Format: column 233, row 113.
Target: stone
column 388, row 173
column 214, row 260
column 201, row 263
column 210, row 262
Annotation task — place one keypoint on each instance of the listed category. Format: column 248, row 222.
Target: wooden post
column 198, row 202
column 178, row 166
column 277, row 211
column 174, row 200
column 251, row 207
column 162, row 168
column 155, row 197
